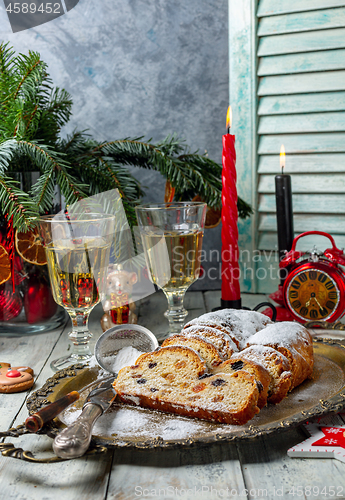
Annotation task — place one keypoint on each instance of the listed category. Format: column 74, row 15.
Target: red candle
column 231, row 294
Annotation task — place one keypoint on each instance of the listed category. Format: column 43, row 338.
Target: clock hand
column 318, row 303
column 307, row 304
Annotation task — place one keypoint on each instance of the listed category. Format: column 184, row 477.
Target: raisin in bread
column 277, row 366
column 294, row 342
column 206, row 350
column 261, row 375
column 174, row 379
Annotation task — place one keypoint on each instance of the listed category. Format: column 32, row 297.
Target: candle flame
column 228, row 118
column 282, row 157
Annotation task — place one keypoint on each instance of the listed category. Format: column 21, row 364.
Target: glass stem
column 176, row 314
column 80, row 336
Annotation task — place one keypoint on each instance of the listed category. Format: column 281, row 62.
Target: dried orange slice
column 5, row 265
column 213, row 217
column 30, row 248
column 169, row 192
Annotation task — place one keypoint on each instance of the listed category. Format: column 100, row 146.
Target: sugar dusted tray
column 130, row 426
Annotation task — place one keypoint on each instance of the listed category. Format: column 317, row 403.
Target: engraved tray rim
column 76, row 376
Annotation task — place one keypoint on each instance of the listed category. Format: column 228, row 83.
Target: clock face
column 313, row 295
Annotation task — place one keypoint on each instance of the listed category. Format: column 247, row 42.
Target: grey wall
column 137, row 68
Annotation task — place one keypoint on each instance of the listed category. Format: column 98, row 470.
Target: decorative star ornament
column 327, row 439
column 333, row 436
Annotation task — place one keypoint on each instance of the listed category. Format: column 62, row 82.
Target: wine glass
column 172, row 235
column 77, row 249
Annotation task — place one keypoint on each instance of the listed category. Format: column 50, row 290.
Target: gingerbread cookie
column 15, row 379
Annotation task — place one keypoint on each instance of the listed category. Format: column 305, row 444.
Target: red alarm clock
column 314, row 288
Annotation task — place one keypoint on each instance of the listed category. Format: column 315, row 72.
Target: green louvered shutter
column 301, row 104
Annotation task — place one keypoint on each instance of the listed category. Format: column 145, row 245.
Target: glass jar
column 29, row 307
column 26, row 302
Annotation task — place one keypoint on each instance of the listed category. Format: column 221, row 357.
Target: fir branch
column 244, row 209
column 146, row 155
column 56, row 112
column 26, row 77
column 14, row 202
column 33, row 112
column 7, row 151
column 31, row 117
column 6, row 62
column 51, row 165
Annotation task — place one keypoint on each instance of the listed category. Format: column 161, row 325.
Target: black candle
column 284, row 209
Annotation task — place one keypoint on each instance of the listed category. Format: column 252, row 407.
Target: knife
column 36, row 421
column 74, row 441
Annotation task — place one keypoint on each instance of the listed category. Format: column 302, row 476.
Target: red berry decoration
column 38, row 300
column 13, row 374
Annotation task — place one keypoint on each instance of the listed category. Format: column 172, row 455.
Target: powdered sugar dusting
column 127, row 356
column 206, row 326
column 129, row 425
column 261, row 350
column 220, row 340
column 239, row 323
column 283, row 334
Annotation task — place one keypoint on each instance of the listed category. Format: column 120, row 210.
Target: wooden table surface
column 255, row 469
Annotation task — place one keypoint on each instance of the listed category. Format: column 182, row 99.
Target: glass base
column 176, row 314
column 66, row 361
column 177, row 319
column 19, row 327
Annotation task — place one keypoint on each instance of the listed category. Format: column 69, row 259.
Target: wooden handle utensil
column 36, row 421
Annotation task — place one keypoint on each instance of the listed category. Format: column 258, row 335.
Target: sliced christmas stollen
column 206, row 350
column 260, row 373
column 294, row 342
column 174, row 379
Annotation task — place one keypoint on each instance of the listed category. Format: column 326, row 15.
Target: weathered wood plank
column 305, row 82
column 275, row 7
column 269, row 241
column 28, row 350
column 317, row 163
column 302, row 63
column 268, row 468
column 303, row 21
column 302, row 123
column 176, row 474
column 293, row 43
column 302, row 103
column 303, row 143
column 83, row 478
column 305, row 183
column 334, row 224
column 306, row 203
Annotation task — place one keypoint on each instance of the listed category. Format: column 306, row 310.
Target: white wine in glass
column 172, row 237
column 77, row 250
column 184, row 253
column 74, row 280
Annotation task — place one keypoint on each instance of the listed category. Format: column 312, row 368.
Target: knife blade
column 74, row 441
